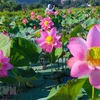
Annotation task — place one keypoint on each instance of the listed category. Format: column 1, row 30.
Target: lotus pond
column 50, row 57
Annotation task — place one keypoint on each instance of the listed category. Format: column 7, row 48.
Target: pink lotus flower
column 93, row 10
column 32, row 17
column 69, row 11
column 49, row 40
column 32, row 13
column 34, row 27
column 39, row 17
column 4, row 65
column 86, row 56
column 50, row 13
column 64, row 16
column 24, row 11
column 46, row 23
column 25, row 21
column 56, row 12
column 87, row 15
column 5, row 33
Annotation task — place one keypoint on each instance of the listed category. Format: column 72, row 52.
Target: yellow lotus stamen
column 0, row 65
column 49, row 39
column 93, row 56
column 46, row 23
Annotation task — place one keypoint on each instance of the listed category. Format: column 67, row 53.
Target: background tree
column 92, row 2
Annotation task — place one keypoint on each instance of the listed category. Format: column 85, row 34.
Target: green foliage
column 25, row 75
column 8, row 80
column 23, row 50
column 90, row 22
column 10, row 5
column 55, row 54
column 24, row 31
column 20, row 75
column 77, row 29
column 13, row 5
column 88, row 88
column 64, row 37
column 57, row 20
column 92, row 2
column 70, row 91
column 37, row 33
column 18, row 57
column 5, row 43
